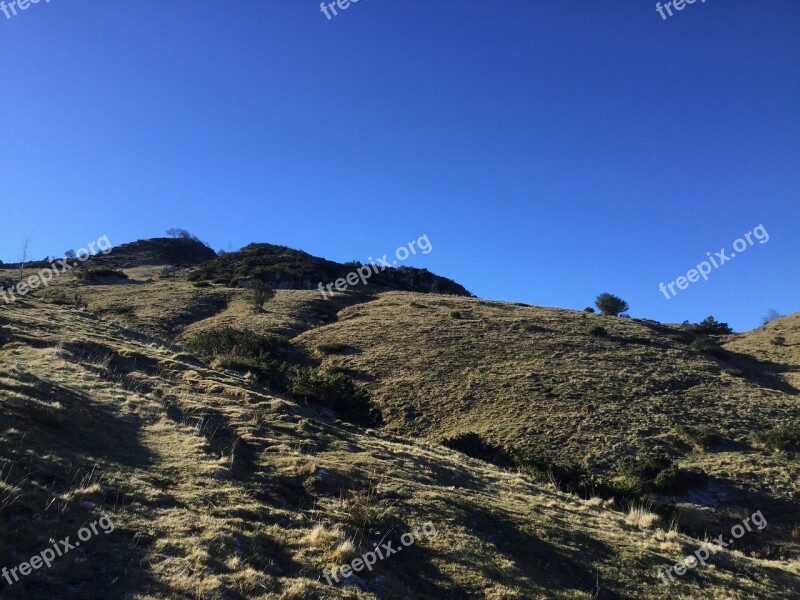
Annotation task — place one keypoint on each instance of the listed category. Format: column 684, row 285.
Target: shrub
column 100, row 274
column 332, row 348
column 783, row 437
column 338, row 368
column 653, row 471
column 778, row 340
column 588, row 309
column 646, row 472
column 566, row 475
column 609, row 304
column 455, row 314
column 260, row 294
column 246, row 350
column 474, row 445
column 167, row 272
column 702, row 438
column 335, row 390
column 229, row 341
column 709, row 326
column 598, row 331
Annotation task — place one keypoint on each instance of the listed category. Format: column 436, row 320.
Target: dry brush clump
column 641, row 516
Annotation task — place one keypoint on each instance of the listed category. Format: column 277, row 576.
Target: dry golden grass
column 534, row 375
column 218, row 490
column 669, row 541
column 641, row 516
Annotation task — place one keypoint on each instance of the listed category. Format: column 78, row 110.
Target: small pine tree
column 260, row 294
column 609, row 304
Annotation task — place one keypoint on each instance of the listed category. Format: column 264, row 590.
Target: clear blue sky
column 550, row 150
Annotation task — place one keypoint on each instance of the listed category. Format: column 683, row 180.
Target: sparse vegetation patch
column 784, row 437
column 100, row 275
column 271, row 358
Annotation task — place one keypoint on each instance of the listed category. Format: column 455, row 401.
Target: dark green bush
column 568, row 475
column 653, row 471
column 709, row 326
column 241, row 343
column 598, row 331
column 332, row 348
column 702, row 438
column 245, row 350
column 100, row 274
column 784, row 437
column 260, row 294
column 334, row 390
column 778, row 340
column 338, row 368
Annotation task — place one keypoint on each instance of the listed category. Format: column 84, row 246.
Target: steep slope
column 523, row 377
column 777, row 343
column 217, row 489
column 541, row 381
column 539, row 375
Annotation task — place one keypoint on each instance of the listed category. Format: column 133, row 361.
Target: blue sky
column 550, row 150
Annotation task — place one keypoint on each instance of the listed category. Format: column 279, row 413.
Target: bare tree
column 771, row 315
column 23, row 258
column 177, row 232
column 69, row 254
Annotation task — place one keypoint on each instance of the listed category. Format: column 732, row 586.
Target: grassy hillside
column 537, row 380
column 218, row 490
column 777, row 344
column 221, row 486
column 540, row 375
